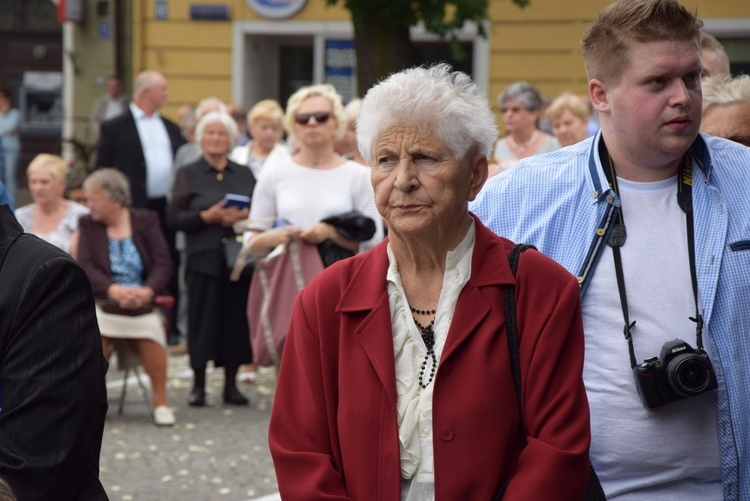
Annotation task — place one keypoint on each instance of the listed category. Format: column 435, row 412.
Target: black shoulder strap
column 594, row 491
column 511, row 329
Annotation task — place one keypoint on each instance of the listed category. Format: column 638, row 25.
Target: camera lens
column 689, row 374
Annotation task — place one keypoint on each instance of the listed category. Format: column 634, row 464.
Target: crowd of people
column 442, row 361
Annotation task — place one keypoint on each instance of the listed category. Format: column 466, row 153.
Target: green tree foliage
column 381, row 30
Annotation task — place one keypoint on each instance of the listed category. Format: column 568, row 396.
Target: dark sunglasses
column 304, row 118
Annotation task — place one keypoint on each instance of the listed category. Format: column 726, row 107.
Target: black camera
column 679, row 372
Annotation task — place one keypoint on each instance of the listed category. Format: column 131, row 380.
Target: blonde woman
column 50, row 216
column 266, row 122
column 569, row 117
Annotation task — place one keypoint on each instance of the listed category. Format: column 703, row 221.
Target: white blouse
column 61, row 235
column 414, row 404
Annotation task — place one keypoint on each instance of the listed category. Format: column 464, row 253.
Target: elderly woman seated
column 126, row 257
column 396, row 375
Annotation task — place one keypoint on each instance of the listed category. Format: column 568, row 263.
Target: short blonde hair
column 51, row 164
column 267, row 110
column 327, row 91
column 567, row 101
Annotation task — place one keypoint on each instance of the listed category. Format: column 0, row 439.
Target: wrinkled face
column 568, row 128
column 44, row 187
column 101, row 206
column 730, row 121
column 420, row 189
column 215, row 140
column 653, row 113
column 314, row 132
column 516, row 117
column 266, row 134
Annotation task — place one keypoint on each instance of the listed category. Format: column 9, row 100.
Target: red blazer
column 334, row 433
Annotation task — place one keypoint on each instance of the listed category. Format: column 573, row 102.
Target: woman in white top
column 50, row 216
column 520, row 104
column 315, row 183
column 266, row 123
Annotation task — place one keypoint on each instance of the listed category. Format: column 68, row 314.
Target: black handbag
column 352, row 225
column 594, row 491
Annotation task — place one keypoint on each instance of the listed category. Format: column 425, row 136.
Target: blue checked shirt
column 562, row 203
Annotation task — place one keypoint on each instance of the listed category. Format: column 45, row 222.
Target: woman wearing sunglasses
column 315, row 183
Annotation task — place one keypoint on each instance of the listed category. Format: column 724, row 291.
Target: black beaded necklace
column 428, row 336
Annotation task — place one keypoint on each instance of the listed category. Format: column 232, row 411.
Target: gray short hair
column 522, row 92
column 113, row 182
column 220, row 117
column 437, row 99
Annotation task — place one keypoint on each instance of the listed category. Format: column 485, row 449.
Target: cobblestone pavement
column 218, row 452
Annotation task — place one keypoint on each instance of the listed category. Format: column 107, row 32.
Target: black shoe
column 197, row 398
column 234, row 397
column 174, row 339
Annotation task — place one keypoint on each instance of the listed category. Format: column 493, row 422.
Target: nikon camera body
column 679, row 372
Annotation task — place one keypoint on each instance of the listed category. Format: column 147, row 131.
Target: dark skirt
column 217, row 320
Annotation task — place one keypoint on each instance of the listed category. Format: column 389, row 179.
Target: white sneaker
column 163, row 416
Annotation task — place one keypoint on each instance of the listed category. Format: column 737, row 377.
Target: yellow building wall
column 196, row 56
column 538, row 44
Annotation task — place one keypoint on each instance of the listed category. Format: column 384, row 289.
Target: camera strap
column 618, row 236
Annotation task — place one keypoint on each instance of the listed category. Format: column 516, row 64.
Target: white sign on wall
column 276, row 9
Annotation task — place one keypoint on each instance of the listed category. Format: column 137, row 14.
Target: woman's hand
column 261, row 243
column 214, row 214
column 130, row 298
column 233, row 214
column 318, row 233
column 224, row 216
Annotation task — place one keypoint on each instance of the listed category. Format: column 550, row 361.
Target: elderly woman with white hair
column 217, row 327
column 726, row 108
column 395, row 381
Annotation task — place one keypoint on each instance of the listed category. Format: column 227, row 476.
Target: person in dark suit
column 142, row 144
column 53, row 398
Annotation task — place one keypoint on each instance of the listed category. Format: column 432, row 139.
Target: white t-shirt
column 303, row 196
column 669, row 452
